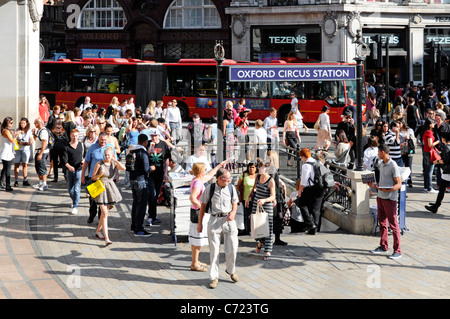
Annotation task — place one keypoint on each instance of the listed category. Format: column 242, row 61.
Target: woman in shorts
column 24, row 139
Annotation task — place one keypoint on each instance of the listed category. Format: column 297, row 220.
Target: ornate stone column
column 19, row 87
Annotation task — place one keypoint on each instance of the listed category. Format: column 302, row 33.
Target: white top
column 294, row 103
column 194, row 159
column 261, row 137
column 173, row 115
column 307, row 177
column 6, row 149
column 369, row 155
column 24, row 137
column 324, row 121
column 41, row 135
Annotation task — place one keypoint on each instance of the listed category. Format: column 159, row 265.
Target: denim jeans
column 139, row 188
column 74, row 186
column 428, row 168
column 175, row 131
column 154, row 188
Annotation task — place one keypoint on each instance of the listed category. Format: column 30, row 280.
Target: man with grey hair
column 220, row 200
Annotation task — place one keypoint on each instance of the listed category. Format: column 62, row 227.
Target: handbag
column 411, row 146
column 374, row 113
column 434, row 155
column 296, row 213
column 194, row 215
column 317, row 124
column 16, row 145
column 95, row 188
column 259, row 223
column 240, row 217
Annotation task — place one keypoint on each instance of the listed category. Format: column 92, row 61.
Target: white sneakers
column 74, row 211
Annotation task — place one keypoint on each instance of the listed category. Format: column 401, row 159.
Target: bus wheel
column 283, row 112
column 184, row 111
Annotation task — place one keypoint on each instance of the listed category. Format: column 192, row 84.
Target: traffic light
column 376, row 52
column 444, row 60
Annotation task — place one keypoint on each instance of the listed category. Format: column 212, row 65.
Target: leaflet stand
column 180, row 205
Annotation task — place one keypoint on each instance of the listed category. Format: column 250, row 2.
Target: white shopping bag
column 239, row 218
column 260, row 223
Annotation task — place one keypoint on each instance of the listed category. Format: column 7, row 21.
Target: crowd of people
column 88, row 144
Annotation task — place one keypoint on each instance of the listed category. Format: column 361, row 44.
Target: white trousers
column 218, row 226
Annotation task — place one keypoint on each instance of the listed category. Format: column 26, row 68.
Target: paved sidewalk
column 45, row 253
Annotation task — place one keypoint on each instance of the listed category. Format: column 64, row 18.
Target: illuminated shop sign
column 299, row 39
column 292, row 73
column 393, row 39
column 438, row 39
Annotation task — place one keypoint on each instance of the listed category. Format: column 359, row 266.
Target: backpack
column 51, row 138
column 197, row 131
column 445, row 158
column 130, row 161
column 323, row 177
column 211, row 194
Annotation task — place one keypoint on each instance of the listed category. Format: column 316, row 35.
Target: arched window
column 102, row 14
column 189, row 14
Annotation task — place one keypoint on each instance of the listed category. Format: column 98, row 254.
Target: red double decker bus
column 192, row 82
column 67, row 81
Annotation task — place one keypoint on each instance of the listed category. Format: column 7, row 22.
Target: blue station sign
column 292, row 73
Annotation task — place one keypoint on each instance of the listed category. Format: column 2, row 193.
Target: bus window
column 65, row 81
column 206, row 85
column 126, row 84
column 281, row 90
column 350, row 87
column 108, row 84
column 48, row 81
column 84, row 83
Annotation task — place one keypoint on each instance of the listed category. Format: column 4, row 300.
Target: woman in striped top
column 264, row 194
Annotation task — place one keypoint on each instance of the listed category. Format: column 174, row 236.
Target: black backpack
column 130, row 161
column 323, row 177
column 51, row 138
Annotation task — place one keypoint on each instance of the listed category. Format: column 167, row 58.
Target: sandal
column 200, row 268
column 258, row 247
column 267, row 257
column 108, row 242
column 99, row 235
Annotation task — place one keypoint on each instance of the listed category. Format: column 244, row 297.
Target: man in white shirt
column 87, row 103
column 294, row 103
column 271, row 125
column 310, row 196
column 198, row 157
column 41, row 139
column 173, row 119
column 131, row 106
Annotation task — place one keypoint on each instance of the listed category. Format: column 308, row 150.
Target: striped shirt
column 390, row 139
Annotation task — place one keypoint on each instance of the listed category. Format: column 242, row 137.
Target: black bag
column 323, row 177
column 130, row 161
column 194, row 215
column 411, row 147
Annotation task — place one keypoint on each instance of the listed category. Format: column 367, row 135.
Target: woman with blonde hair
column 105, row 170
column 69, row 123
column 151, row 109
column 196, row 239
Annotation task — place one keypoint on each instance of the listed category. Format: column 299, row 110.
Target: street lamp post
column 219, row 54
column 359, row 124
